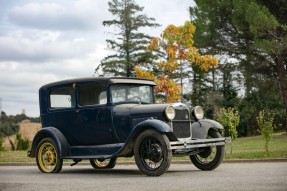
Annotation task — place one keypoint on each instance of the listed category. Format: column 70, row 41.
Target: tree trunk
column 279, row 61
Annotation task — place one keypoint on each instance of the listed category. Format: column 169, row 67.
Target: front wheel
column 103, row 163
column 210, row 157
column 47, row 156
column 152, row 153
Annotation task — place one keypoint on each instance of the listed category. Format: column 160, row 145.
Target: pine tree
column 265, row 21
column 237, row 30
column 130, row 44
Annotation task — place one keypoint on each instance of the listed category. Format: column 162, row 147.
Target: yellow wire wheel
column 47, row 156
column 103, row 163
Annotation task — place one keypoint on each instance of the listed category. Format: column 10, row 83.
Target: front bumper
column 198, row 143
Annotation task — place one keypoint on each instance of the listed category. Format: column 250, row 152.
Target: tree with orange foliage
column 178, row 45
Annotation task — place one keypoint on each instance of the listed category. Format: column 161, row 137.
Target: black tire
column 152, row 153
column 48, row 157
column 211, row 157
column 103, row 163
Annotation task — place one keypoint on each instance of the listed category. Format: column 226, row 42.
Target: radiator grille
column 181, row 129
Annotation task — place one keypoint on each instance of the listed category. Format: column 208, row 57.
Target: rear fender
column 201, row 127
column 60, row 140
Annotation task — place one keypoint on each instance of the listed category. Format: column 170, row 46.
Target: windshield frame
column 152, row 98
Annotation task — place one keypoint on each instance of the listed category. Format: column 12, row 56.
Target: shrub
column 12, row 145
column 1, row 141
column 229, row 118
column 265, row 121
column 22, row 144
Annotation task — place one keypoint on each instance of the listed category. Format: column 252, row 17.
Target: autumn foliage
column 178, row 45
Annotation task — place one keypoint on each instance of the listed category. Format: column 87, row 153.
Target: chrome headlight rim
column 198, row 113
column 169, row 112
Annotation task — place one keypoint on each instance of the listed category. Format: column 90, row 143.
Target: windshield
column 131, row 93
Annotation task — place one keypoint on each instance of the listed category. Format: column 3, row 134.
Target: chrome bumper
column 197, row 143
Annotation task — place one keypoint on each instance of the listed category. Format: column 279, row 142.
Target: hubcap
column 101, row 163
column 154, row 153
column 47, row 157
column 151, row 153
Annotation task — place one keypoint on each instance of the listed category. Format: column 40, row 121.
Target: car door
column 62, row 111
column 93, row 119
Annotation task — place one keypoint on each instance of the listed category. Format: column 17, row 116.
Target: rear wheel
column 47, row 156
column 152, row 153
column 103, row 163
column 211, row 157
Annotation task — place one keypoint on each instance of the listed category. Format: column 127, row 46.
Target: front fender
column 155, row 124
column 152, row 124
column 201, row 127
column 60, row 140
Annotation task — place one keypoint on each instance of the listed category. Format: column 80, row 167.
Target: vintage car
column 101, row 119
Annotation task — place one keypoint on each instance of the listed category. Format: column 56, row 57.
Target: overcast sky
column 42, row 41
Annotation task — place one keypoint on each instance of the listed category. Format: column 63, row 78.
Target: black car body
column 101, row 119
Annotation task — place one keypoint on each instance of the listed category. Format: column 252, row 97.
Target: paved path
column 179, row 177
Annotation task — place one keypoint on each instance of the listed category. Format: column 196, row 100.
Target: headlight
column 197, row 112
column 170, row 112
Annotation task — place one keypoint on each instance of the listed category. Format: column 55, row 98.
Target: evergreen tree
column 130, row 44
column 265, row 21
column 224, row 28
column 216, row 35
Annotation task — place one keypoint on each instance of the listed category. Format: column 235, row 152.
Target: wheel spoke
column 151, row 153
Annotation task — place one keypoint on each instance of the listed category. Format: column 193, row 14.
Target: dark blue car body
column 88, row 118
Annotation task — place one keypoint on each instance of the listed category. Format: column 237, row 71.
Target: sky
column 43, row 41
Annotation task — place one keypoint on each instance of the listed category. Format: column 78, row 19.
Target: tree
column 178, row 45
column 216, row 35
column 8, row 128
column 130, row 44
column 265, row 122
column 229, row 118
column 223, row 30
column 263, row 21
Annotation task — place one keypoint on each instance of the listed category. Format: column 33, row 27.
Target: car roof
column 110, row 80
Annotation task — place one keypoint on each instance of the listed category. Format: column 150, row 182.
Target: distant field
column 243, row 148
column 27, row 131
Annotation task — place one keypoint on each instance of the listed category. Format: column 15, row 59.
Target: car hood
column 140, row 110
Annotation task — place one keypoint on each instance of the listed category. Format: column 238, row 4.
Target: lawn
column 253, row 147
column 243, row 148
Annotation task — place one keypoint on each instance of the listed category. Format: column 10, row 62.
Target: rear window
column 63, row 97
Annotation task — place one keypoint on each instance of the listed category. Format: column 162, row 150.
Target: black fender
column 60, row 140
column 155, row 124
column 201, row 127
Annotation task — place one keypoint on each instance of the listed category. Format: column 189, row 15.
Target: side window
column 92, row 94
column 62, row 98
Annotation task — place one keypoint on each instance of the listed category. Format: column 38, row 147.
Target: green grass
column 253, row 147
column 15, row 156
column 243, row 148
